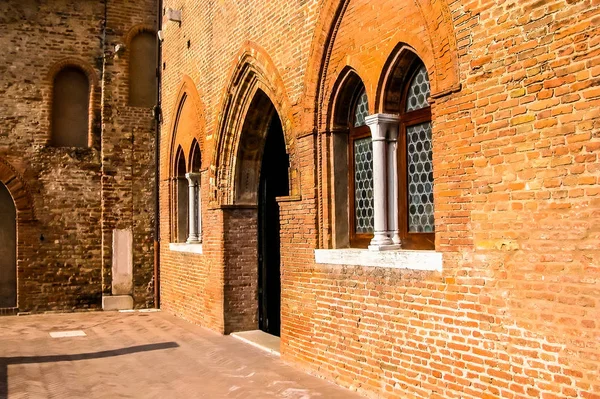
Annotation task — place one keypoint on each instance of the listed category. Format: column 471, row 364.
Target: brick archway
column 254, row 76
column 19, row 192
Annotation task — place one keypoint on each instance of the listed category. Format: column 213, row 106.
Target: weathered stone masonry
column 512, row 311
column 69, row 200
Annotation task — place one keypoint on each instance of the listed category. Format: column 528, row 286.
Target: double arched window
column 390, row 192
column 187, row 211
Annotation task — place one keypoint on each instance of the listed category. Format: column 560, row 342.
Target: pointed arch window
column 195, row 198
column 361, row 172
column 181, row 200
column 416, row 205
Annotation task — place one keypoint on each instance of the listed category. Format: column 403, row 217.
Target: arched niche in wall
column 142, row 70
column 70, row 108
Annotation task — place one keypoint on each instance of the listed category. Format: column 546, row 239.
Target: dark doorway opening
column 8, row 250
column 274, row 182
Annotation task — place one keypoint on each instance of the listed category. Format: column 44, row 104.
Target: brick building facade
column 499, row 294
column 406, row 192
column 76, row 153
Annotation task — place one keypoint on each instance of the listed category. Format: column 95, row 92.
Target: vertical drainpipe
column 157, row 117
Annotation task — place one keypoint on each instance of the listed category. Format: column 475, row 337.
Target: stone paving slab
column 141, row 355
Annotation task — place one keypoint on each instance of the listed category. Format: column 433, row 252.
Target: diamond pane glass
column 418, row 91
column 362, row 110
column 363, row 185
column 420, row 178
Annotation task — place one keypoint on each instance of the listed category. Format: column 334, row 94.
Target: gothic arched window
column 416, row 216
column 361, row 171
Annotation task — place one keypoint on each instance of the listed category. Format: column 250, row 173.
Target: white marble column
column 193, row 207
column 378, row 124
column 392, row 179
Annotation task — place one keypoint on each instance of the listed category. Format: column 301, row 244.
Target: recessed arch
column 187, row 123
column 437, row 50
column 8, row 249
column 142, row 68
column 393, row 78
column 180, row 198
column 195, row 157
column 18, row 190
column 80, row 71
column 136, row 30
column 254, row 78
column 343, row 92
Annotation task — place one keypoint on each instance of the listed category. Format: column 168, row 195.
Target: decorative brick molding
column 253, row 72
column 438, row 51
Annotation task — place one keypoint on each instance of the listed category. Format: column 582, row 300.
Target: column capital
column 383, row 126
column 382, row 119
column 193, row 177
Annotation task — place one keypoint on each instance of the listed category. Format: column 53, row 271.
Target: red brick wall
column 513, row 312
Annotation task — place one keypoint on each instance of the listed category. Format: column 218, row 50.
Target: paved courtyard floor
column 141, row 355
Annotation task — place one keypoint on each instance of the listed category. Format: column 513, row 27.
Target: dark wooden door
column 8, row 250
column 273, row 183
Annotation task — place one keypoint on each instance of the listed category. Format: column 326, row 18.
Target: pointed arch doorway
column 262, row 175
column 274, row 182
column 8, row 250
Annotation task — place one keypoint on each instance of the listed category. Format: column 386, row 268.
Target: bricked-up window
column 416, row 216
column 181, row 210
column 70, row 108
column 142, row 70
column 361, row 172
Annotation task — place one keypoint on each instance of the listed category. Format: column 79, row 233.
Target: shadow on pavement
column 6, row 361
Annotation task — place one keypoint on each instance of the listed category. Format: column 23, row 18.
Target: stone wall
column 513, row 311
column 60, row 247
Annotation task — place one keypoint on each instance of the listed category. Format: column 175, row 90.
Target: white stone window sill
column 396, row 259
column 185, row 247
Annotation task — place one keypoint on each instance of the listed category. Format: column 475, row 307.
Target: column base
column 384, row 247
column 117, row 302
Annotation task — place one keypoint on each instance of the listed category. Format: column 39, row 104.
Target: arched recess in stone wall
column 19, row 192
column 438, row 51
column 254, row 77
column 140, row 48
column 94, row 95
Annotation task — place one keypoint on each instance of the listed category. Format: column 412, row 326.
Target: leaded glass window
column 363, row 185
column 362, row 110
column 361, row 172
column 418, row 91
column 416, row 202
column 420, row 178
